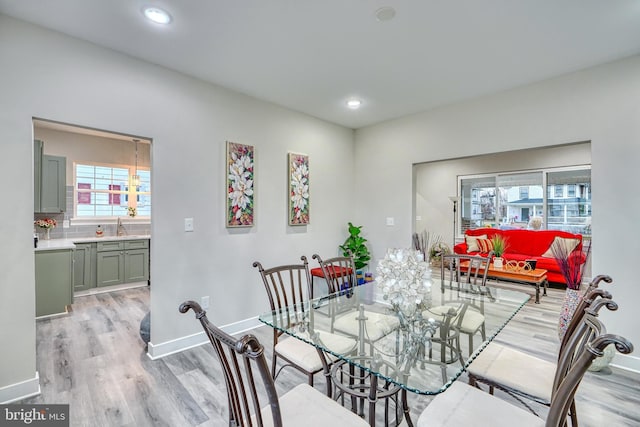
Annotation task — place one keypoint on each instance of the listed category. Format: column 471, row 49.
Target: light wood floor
column 94, row 360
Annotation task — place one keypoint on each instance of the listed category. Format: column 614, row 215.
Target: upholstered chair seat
column 515, row 369
column 306, row 356
column 463, row 405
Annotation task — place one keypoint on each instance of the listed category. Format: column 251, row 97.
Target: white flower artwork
column 240, row 165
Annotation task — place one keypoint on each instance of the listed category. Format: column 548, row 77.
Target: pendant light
column 135, row 178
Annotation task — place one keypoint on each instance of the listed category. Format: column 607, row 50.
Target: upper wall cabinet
column 50, row 181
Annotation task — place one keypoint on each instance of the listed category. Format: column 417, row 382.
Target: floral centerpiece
column 405, row 280
column 46, row 224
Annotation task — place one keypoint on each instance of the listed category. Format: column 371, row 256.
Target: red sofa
column 528, row 244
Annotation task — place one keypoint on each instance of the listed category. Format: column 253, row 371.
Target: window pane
column 520, row 198
column 102, row 190
column 478, row 207
column 572, row 212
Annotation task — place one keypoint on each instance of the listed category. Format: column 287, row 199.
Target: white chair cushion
column 306, row 406
column 463, row 405
column 515, row 369
column 471, row 321
column 306, row 356
column 378, row 325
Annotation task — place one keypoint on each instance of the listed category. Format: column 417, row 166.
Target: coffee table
column 535, row 277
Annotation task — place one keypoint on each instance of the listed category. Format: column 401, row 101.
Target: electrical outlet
column 390, row 221
column 204, row 302
column 188, row 224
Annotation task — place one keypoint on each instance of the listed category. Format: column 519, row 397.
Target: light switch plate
column 188, row 224
column 390, row 221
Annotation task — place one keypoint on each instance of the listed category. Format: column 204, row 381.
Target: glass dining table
column 417, row 347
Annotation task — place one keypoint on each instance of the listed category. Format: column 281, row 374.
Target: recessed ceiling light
column 354, row 104
column 157, row 15
column 385, row 13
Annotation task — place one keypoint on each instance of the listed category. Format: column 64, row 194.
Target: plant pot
column 498, row 262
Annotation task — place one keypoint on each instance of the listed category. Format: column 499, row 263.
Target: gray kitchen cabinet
column 53, row 184
column 37, row 173
column 50, row 181
column 84, row 266
column 54, row 281
column 122, row 262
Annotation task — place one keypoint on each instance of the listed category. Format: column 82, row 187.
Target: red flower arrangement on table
column 46, row 223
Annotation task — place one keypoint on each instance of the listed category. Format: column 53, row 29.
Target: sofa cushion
column 567, row 246
column 472, row 242
column 484, row 245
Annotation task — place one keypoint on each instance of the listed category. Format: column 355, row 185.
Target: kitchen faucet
column 120, row 228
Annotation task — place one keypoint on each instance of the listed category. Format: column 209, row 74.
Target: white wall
column 52, row 76
column 601, row 105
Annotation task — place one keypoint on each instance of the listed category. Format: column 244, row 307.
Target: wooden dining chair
column 251, row 391
column 465, row 405
column 523, row 376
column 288, row 288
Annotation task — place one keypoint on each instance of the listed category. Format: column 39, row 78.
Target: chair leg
column 572, row 414
column 273, row 366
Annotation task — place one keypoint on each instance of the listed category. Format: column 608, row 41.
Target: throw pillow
column 569, row 245
column 485, row 245
column 472, row 242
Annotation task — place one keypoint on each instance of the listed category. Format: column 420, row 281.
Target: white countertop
column 57, row 244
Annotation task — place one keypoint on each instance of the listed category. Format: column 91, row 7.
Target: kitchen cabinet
column 84, row 266
column 38, row 147
column 54, row 281
column 50, row 181
column 122, row 262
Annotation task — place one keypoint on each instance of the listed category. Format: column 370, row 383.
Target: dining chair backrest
column 472, row 269
column 244, row 368
column 339, row 272
column 587, row 342
column 287, row 286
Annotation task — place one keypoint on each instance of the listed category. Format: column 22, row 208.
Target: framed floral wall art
column 298, row 189
column 240, row 163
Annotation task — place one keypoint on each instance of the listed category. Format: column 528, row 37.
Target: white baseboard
column 21, row 390
column 626, row 362
column 157, row 351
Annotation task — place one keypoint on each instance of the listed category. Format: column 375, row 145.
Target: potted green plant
column 355, row 246
column 499, row 244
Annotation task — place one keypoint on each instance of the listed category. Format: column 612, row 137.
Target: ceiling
column 312, row 55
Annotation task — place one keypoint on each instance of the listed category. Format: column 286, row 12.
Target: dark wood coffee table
column 535, row 277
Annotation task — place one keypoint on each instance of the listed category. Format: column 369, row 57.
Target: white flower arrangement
column 405, row 279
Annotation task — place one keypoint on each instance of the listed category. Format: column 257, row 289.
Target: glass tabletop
column 422, row 347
